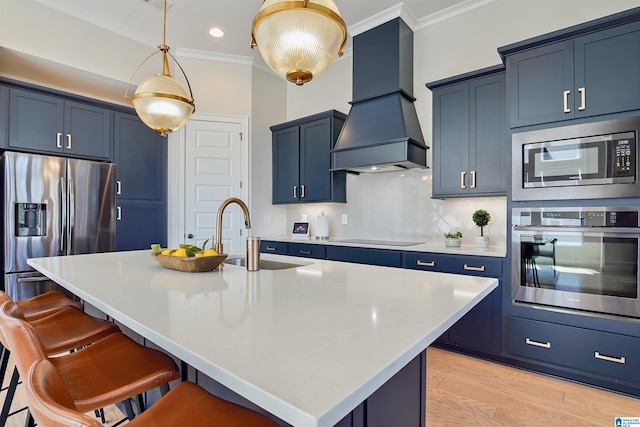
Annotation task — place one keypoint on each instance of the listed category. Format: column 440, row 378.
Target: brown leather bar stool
column 110, row 370
column 186, row 405
column 63, row 330
column 34, row 308
column 42, row 305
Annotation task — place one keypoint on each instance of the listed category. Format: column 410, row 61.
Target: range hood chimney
column 382, row 131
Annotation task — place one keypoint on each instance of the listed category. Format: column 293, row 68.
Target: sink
column 265, row 264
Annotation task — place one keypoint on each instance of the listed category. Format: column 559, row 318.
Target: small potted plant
column 453, row 240
column 481, row 218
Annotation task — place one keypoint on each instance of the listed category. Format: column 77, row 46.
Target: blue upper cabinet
column 575, row 76
column 301, row 155
column 44, row 123
column 469, row 150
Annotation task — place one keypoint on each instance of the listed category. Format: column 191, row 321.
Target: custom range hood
column 382, row 132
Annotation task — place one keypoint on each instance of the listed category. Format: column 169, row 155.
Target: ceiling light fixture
column 162, row 102
column 216, row 32
column 299, row 39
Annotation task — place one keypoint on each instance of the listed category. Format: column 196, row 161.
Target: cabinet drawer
column 307, row 250
column 596, row 352
column 384, row 257
column 458, row 264
column 271, row 247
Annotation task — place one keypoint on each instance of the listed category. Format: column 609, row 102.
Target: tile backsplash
column 398, row 206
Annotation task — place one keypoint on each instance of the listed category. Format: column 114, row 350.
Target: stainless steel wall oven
column 585, row 161
column 577, row 258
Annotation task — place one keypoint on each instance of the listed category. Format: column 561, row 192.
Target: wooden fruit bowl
column 190, row 264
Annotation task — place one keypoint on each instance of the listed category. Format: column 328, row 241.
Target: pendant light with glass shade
column 299, row 39
column 162, row 102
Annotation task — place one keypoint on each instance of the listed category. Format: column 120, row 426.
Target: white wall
column 391, row 205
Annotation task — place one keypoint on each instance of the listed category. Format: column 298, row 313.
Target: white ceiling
column 188, row 21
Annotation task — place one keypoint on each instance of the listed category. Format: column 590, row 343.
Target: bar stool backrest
column 49, row 400
column 22, row 339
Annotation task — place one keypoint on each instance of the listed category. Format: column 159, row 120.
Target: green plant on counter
column 481, row 218
column 456, row 235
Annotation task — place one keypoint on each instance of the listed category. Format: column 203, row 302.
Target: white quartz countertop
column 435, row 247
column 307, row 344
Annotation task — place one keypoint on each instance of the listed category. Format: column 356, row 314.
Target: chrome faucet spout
column 247, row 220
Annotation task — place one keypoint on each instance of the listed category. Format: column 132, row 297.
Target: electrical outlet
column 267, row 219
column 344, row 219
column 304, row 217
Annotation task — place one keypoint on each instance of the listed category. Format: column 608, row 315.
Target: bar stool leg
column 4, row 361
column 29, row 421
column 11, row 391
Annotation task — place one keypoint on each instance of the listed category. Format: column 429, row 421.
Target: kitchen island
column 325, row 343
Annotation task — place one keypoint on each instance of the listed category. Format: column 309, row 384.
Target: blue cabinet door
column 450, row 140
column 36, row 122
column 286, row 170
column 140, row 155
column 488, row 153
column 315, row 161
column 607, row 66
column 140, row 224
column 87, row 131
column 4, row 116
column 540, row 83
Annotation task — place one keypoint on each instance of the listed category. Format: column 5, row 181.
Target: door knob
column 189, row 236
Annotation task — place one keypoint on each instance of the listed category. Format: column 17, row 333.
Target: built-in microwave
column 585, row 161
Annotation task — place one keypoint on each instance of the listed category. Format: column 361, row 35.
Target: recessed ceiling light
column 216, row 32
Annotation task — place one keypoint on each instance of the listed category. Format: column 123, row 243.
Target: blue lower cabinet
column 307, row 250
column 480, row 328
column 271, row 247
column 594, row 352
column 384, row 257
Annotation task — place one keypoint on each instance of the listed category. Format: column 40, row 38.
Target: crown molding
column 397, row 11
column 451, row 12
column 213, row 56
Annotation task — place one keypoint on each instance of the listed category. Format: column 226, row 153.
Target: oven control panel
column 578, row 218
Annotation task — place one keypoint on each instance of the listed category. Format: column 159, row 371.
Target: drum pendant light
column 299, row 39
column 162, row 102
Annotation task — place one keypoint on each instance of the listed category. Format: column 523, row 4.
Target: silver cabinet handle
column 470, row 268
column 583, row 98
column 473, row 179
column 295, row 191
column 426, row 264
column 58, row 140
column 271, row 248
column 565, row 100
column 620, row 360
column 119, row 213
column 69, row 141
column 302, row 191
column 305, row 252
column 462, row 174
column 537, row 343
column 118, row 187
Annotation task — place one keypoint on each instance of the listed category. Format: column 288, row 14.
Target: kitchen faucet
column 247, row 221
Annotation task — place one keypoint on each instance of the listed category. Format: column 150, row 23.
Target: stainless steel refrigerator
column 53, row 206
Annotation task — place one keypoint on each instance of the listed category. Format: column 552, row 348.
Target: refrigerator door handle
column 72, row 215
column 33, row 279
column 63, row 214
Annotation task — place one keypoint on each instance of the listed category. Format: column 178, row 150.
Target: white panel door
column 213, row 173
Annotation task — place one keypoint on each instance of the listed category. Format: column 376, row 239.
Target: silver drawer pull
column 537, row 344
column 426, row 264
column 621, row 360
column 271, row 248
column 303, row 252
column 467, row 267
column 37, row 279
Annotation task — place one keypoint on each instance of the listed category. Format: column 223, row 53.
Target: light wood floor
column 464, row 391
